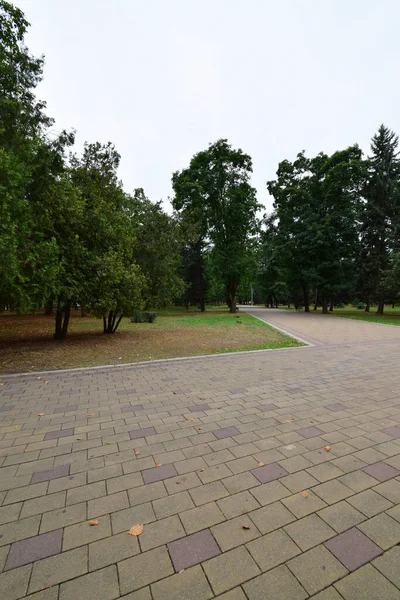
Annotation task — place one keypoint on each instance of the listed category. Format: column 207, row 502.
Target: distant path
column 324, row 330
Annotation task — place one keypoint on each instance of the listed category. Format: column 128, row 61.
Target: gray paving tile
column 309, row 432
column 139, row 571
column 353, row 548
column 54, row 473
column 388, row 564
column 159, row 473
column 141, row 433
column 225, row 432
column 54, row 435
column 192, row 550
column 34, row 548
column 269, row 472
column 14, row 584
column 381, row 471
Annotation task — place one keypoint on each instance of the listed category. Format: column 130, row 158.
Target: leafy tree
column 23, row 125
column 215, row 192
column 157, row 251
column 315, row 202
column 379, row 215
column 113, row 282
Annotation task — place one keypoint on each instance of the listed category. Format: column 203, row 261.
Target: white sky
column 163, row 78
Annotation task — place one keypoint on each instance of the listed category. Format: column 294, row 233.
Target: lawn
column 26, row 342
column 391, row 315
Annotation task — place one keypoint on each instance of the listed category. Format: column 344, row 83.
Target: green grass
column 390, row 316
column 26, row 342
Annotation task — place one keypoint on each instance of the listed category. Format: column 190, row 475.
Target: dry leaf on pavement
column 304, row 494
column 136, row 529
column 94, row 522
column 79, row 439
column 261, row 464
column 41, row 414
column 201, row 470
column 137, row 453
column 327, row 448
column 246, row 527
column 191, row 419
column 158, row 464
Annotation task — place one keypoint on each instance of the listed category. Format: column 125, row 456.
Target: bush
column 340, row 305
column 144, row 317
column 360, row 306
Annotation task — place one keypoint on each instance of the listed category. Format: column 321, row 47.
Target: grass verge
column 26, row 342
column 391, row 315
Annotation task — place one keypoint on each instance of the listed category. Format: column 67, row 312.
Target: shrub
column 360, row 306
column 144, row 317
column 340, row 305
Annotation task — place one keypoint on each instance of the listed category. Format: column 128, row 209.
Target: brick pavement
column 76, row 446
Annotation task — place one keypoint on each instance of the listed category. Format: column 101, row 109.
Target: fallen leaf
column 41, row 414
column 46, row 382
column 79, row 439
column 93, row 522
column 200, row 428
column 107, row 443
column 246, row 527
column 177, row 482
column 288, row 420
column 38, row 377
column 46, row 587
column 136, row 529
column 137, row 453
column 181, row 571
column 261, row 464
column 201, row 470
column 158, row 464
column 191, row 419
column 304, row 494
column 174, row 393
column 327, row 448
column 90, row 416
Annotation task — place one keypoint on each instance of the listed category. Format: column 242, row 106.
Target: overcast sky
column 164, row 78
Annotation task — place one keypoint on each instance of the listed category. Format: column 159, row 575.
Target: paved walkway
column 278, row 474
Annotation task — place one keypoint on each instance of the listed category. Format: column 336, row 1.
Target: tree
column 113, row 282
column 157, row 251
column 23, row 126
column 315, row 203
column 214, row 191
column 379, row 215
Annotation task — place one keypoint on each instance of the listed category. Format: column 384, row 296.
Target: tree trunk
column 62, row 321
column 324, row 305
column 83, row 312
column 367, row 305
column 306, row 295
column 110, row 323
column 202, row 305
column 232, row 295
column 331, row 305
column 381, row 306
column 48, row 307
column 316, row 299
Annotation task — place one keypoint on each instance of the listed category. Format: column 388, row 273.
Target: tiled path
column 308, row 522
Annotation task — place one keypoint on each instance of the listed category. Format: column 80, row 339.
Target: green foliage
column 214, row 192
column 156, row 250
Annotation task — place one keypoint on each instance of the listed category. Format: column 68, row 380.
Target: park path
column 323, row 330
column 279, row 474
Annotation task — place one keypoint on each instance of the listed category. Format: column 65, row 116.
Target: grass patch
column 26, row 342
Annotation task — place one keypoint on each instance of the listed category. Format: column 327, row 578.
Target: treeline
column 71, row 235
column 333, row 236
